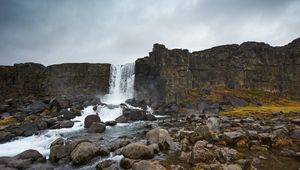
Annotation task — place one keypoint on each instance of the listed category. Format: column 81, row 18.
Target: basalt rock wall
column 62, row 79
column 169, row 75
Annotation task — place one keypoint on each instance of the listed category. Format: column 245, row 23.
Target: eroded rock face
column 169, row 75
column 62, row 79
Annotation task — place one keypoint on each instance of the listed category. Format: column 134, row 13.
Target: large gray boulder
column 199, row 154
column 97, row 128
column 30, row 154
column 84, row 153
column 90, row 119
column 137, row 151
column 161, row 137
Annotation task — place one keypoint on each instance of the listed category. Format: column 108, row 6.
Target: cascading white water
column 121, row 84
column 121, row 88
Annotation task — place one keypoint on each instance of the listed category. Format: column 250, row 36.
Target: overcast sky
column 119, row 31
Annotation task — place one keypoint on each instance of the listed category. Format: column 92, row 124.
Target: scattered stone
column 231, row 167
column 199, row 154
column 67, row 114
column 84, row 153
column 134, row 114
column 137, row 151
column 126, row 163
column 296, row 121
column 161, row 137
column 97, row 128
column 203, row 132
column 90, row 119
column 28, row 128
column 262, row 157
column 32, row 155
column 227, row 154
column 6, row 136
column 121, row 119
column 295, row 135
column 147, row 165
column 106, row 165
column 213, row 123
column 66, row 124
column 231, row 138
column 110, row 123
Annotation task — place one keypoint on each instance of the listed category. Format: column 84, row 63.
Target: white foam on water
column 107, row 114
column 42, row 141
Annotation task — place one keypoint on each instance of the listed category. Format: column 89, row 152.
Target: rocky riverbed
column 201, row 138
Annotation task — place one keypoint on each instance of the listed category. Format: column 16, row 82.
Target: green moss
column 8, row 121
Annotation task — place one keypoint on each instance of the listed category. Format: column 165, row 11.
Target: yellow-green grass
column 8, row 121
column 265, row 110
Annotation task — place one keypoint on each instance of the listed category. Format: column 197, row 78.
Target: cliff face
column 168, row 75
column 63, row 79
column 77, row 78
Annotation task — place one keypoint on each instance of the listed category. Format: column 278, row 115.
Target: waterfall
column 121, row 88
column 121, row 84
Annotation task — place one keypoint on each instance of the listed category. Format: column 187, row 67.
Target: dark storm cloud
column 55, row 31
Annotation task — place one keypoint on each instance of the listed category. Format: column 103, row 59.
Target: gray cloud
column 54, row 31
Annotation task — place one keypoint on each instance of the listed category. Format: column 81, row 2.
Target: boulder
column 295, row 135
column 134, row 114
column 147, row 165
column 231, row 138
column 59, row 149
column 28, row 128
column 66, row 124
column 213, row 123
column 126, row 163
column 6, row 136
column 67, row 114
column 59, row 103
column 266, row 138
column 20, row 163
column 161, row 137
column 42, row 125
column 121, row 119
column 137, row 151
column 151, row 117
column 231, row 167
column 199, row 154
column 119, row 143
column 107, row 165
column 32, row 155
column 3, row 167
column 37, row 106
column 296, row 121
column 203, row 132
column 90, row 119
column 110, row 123
column 97, row 128
column 226, row 154
column 84, row 153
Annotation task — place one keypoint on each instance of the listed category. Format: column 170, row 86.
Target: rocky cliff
column 62, row 79
column 169, row 75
